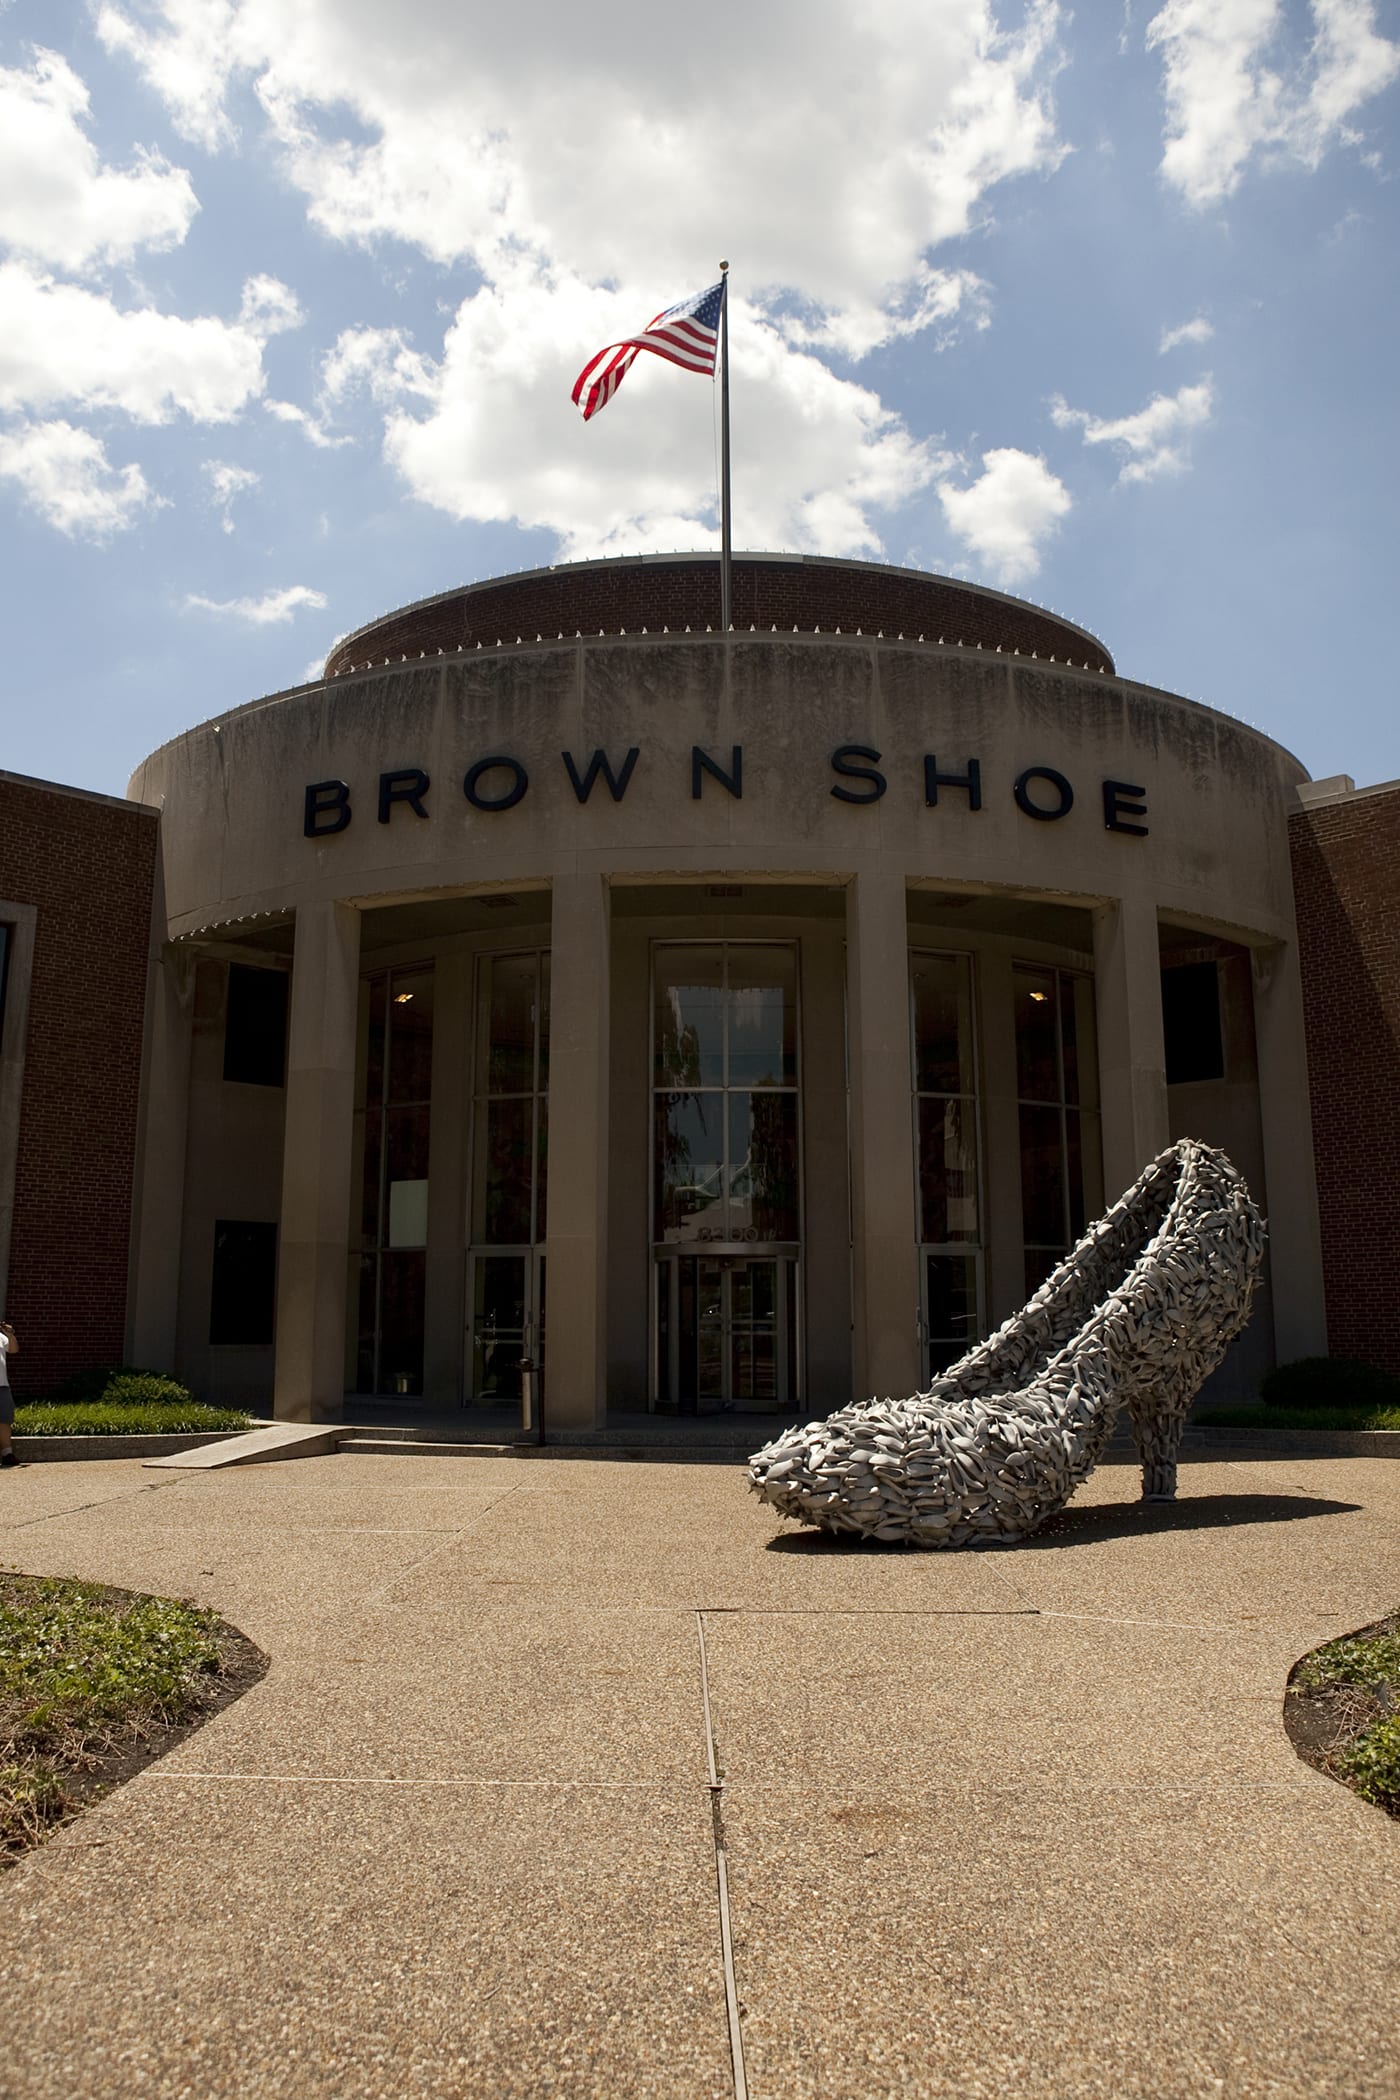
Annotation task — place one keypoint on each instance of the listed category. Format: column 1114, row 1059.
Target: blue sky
column 1098, row 307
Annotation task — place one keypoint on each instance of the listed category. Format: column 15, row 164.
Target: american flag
column 685, row 335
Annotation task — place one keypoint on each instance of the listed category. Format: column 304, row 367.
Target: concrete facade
column 809, row 820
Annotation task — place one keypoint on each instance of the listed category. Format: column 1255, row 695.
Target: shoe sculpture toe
column 1136, row 1317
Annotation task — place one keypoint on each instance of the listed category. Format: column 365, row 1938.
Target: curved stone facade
column 853, row 844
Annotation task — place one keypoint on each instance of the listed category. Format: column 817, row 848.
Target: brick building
column 77, row 875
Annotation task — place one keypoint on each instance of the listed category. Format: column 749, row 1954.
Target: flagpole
column 726, row 602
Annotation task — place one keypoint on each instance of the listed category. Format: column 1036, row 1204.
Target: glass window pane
column 501, row 1210
column 498, row 1326
column 1042, row 1178
column 401, row 1286
column 374, row 1054
column 763, row 1165
column 364, row 1354
column 410, row 1035
column 951, row 1307
column 542, row 1080
column 1069, row 1038
column 369, row 1204
column 1037, row 1062
column 942, row 989
column 406, row 1138
column 689, row 1165
column 1081, row 990
column 542, row 1171
column 947, row 1169
column 689, row 1016
column 1074, row 1173
column 408, row 1214
column 762, row 1006
column 508, row 1001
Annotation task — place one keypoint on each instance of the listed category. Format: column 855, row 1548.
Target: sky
column 1099, row 307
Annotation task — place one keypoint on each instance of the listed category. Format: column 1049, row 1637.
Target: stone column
column 1289, row 1197
column 1132, row 1056
column 157, row 1234
column 444, row 1318
column 1003, row 1234
column 885, row 1266
column 826, row 1170
column 314, row 1238
column 576, row 1243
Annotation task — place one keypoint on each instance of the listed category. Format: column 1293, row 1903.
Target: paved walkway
column 1017, row 1823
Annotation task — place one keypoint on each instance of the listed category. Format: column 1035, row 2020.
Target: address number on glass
column 747, row 1233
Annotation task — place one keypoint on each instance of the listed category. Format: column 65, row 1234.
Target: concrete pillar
column 1289, row 1197
column 314, row 1239
column 1003, row 1234
column 444, row 1317
column 157, row 1235
column 1132, row 1056
column 576, row 1244
column 885, row 1266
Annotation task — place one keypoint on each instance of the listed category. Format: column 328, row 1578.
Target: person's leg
column 8, row 1457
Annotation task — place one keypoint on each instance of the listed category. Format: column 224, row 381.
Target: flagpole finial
column 724, row 269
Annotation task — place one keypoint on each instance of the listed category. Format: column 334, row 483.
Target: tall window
column 725, row 1144
column 945, row 1108
column 510, row 1169
column 1057, row 1086
column 398, row 1064
column 255, row 1026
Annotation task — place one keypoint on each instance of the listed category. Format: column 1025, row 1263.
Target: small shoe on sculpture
column 1137, row 1317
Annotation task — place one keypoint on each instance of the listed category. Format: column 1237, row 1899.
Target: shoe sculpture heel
column 1137, row 1316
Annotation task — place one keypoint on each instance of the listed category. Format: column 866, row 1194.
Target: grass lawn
column 1256, row 1415
column 124, row 1418
column 93, row 1683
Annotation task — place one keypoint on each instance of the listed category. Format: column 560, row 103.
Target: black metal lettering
column 1121, row 801
column 875, row 782
column 701, row 762
column 409, row 784
column 326, row 798
column 1052, row 779
column 971, row 780
column 599, row 763
column 520, row 780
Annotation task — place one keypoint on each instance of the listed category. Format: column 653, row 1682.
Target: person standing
column 8, row 1347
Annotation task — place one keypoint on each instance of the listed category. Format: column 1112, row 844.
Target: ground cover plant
column 1259, row 1415
column 1327, row 1382
column 108, row 1417
column 1342, row 1711
column 95, row 1682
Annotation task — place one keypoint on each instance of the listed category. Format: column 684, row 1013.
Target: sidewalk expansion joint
column 726, row 1937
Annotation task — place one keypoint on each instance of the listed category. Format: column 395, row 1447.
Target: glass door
column 725, row 1174
column 946, row 1156
column 726, row 1327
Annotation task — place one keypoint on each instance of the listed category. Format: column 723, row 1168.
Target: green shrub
column 1329, row 1381
column 1372, row 1763
column 97, row 1384
column 130, row 1418
column 1254, row 1415
column 142, row 1388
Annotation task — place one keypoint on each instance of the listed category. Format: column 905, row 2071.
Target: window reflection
column 945, row 1127
column 1057, row 1080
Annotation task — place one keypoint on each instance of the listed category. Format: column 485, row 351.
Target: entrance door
column 726, row 1328
column 505, row 1322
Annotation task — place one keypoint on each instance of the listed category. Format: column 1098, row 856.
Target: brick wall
column 87, row 864
column 1346, row 880
column 634, row 594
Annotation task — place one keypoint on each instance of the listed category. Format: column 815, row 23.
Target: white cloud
column 273, row 609
column 1006, row 515
column 489, row 432
column 1226, row 102
column 64, row 343
column 311, row 427
column 1155, row 440
column 1197, row 331
column 64, row 474
column 58, row 203
column 226, row 482
column 846, row 146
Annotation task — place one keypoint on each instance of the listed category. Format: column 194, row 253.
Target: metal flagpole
column 726, row 603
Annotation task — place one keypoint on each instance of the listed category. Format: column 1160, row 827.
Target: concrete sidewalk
column 1022, row 1822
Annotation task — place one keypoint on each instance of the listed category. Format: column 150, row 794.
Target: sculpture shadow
column 1101, row 1520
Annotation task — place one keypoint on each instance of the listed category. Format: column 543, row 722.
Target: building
column 726, row 1020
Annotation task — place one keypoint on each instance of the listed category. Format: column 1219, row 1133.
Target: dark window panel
column 243, row 1292
column 1191, row 1029
column 255, row 1026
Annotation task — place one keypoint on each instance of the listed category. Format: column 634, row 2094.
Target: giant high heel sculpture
column 1136, row 1317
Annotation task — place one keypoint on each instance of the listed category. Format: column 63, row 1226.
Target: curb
column 49, row 1448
